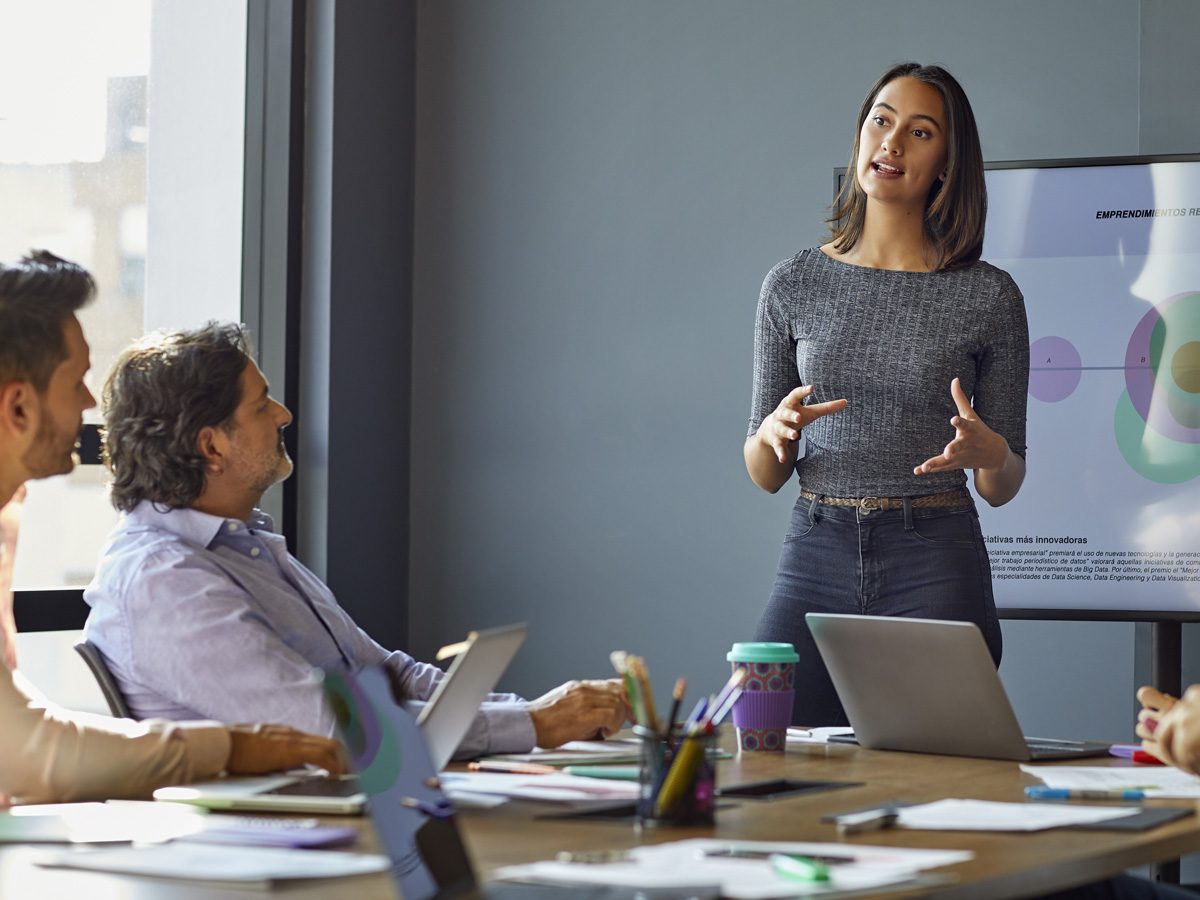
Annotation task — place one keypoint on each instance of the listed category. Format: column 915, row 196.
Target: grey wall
column 601, row 187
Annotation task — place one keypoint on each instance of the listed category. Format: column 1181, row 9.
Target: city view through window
column 116, row 117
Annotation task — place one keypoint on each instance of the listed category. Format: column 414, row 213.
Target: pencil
column 638, row 665
column 681, row 774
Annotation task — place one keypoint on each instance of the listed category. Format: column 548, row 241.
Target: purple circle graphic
column 1054, row 371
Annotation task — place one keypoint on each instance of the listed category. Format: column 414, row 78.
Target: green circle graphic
column 1150, row 454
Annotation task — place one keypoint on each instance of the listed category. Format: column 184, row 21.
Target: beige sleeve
column 50, row 755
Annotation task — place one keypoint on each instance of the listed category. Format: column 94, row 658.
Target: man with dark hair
column 54, row 755
column 198, row 606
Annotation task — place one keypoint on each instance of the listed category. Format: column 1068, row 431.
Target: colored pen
column 618, row 773
column 1135, row 753
column 695, row 715
column 801, row 868
column 442, row 809
column 735, row 681
column 513, row 768
column 1045, row 793
column 719, row 716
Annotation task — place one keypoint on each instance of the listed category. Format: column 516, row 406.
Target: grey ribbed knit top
column 889, row 342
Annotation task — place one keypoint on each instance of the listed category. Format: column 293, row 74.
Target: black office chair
column 108, row 684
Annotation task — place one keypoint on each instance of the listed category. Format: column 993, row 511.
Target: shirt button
column 232, row 526
column 254, row 551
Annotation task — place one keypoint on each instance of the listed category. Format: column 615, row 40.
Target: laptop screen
column 412, row 816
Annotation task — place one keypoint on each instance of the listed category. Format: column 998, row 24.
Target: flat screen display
column 1107, row 255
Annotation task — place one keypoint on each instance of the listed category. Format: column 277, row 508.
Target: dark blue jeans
column 923, row 563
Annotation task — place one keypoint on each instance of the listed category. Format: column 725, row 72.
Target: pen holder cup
column 678, row 778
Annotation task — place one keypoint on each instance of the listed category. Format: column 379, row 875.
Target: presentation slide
column 1108, row 258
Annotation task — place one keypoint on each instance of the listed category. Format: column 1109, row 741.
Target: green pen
column 619, row 773
column 800, row 868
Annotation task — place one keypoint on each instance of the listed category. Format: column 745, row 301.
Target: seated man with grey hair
column 197, row 605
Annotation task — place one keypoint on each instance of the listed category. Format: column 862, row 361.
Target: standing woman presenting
column 888, row 362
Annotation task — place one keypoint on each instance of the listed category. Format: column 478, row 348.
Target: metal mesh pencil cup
column 678, row 778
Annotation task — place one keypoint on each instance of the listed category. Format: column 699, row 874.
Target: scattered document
column 742, row 869
column 575, row 753
column 987, row 815
column 816, row 735
column 213, row 864
column 549, row 788
column 1154, row 781
column 112, row 822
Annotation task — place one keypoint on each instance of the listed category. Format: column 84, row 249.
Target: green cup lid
column 762, row 652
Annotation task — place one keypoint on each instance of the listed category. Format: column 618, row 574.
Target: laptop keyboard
column 319, row 786
column 1045, row 745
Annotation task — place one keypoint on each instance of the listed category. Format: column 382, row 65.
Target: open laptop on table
column 413, row 818
column 928, row 686
column 481, row 660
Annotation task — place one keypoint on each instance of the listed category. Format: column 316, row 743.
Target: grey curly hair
column 162, row 392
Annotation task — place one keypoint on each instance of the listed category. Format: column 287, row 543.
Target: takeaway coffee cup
column 764, row 710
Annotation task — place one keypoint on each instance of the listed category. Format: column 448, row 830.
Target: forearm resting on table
column 764, row 467
column 999, row 485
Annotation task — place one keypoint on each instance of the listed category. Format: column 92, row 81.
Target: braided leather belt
column 959, row 498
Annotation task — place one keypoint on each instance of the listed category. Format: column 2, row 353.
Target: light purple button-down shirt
column 201, row 617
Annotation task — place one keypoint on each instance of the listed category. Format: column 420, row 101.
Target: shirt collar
column 193, row 526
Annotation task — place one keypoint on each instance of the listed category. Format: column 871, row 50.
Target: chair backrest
column 108, row 684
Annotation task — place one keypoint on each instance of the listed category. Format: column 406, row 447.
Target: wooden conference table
column 1005, row 864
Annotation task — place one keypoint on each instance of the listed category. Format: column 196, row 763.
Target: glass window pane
column 122, row 129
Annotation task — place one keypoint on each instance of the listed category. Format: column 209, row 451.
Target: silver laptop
column 927, row 686
column 476, row 669
column 480, row 661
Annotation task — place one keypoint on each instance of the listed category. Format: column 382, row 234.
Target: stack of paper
column 987, row 815
column 202, row 862
column 1153, row 781
column 550, row 788
column 741, row 868
column 575, row 753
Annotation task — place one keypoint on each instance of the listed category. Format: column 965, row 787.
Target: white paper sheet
column 550, row 788
column 685, row 863
column 211, row 863
column 575, row 753
column 815, row 735
column 1155, row 781
column 986, row 815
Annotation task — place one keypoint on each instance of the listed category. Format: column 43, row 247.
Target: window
column 122, row 128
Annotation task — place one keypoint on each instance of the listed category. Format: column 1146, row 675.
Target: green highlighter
column 800, row 868
column 619, row 773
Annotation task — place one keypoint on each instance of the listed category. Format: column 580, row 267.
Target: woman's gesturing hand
column 781, row 429
column 975, row 446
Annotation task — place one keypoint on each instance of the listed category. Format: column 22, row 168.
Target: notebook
column 480, row 661
column 413, row 818
column 927, row 686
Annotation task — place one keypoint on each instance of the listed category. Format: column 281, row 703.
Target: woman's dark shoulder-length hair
column 160, row 394
column 956, row 209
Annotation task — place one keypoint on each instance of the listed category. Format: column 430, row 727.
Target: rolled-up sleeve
column 502, row 725
column 50, row 755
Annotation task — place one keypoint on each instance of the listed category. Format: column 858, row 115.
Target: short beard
column 43, row 458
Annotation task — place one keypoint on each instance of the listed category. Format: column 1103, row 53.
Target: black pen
column 676, row 699
column 867, row 820
column 755, row 853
